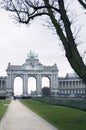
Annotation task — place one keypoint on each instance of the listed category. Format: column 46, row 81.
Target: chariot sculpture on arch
column 31, row 54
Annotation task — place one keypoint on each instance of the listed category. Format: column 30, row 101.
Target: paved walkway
column 19, row 117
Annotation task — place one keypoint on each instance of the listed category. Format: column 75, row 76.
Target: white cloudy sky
column 17, row 40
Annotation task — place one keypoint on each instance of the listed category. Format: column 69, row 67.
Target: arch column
column 39, row 84
column 25, row 85
column 54, row 85
column 1, row 84
column 9, row 88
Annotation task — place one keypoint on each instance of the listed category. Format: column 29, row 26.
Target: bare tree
column 27, row 10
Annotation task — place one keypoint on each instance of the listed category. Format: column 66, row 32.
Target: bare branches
column 83, row 3
column 26, row 10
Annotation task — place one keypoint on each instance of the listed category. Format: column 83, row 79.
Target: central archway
column 18, row 86
column 31, row 85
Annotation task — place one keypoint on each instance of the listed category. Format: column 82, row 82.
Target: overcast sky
column 17, row 40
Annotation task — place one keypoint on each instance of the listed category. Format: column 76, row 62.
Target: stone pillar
column 9, row 89
column 25, row 85
column 1, row 85
column 54, row 85
column 62, row 84
column 78, row 84
column 72, row 86
column 69, row 84
column 81, row 84
column 12, row 84
column 39, row 85
column 66, row 87
column 51, row 84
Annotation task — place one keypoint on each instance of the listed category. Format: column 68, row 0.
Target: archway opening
column 45, row 86
column 18, row 86
column 31, row 85
column 45, row 82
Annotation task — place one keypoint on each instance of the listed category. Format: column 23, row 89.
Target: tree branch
column 82, row 3
column 30, row 4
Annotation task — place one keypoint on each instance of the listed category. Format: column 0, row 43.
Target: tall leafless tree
column 27, row 10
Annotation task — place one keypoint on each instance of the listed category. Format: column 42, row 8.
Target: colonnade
column 2, row 83
column 71, row 86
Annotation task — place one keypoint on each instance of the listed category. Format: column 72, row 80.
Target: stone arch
column 18, row 86
column 32, row 84
column 45, row 85
column 45, row 81
column 18, row 75
column 31, row 68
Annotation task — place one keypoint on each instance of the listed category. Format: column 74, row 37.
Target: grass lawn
column 63, row 118
column 3, row 107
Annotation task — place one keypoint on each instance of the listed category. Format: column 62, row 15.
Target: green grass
column 63, row 118
column 3, row 107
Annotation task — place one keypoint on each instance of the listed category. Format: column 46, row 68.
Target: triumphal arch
column 32, row 68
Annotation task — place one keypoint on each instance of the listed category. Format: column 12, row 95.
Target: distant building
column 3, row 85
column 71, row 85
